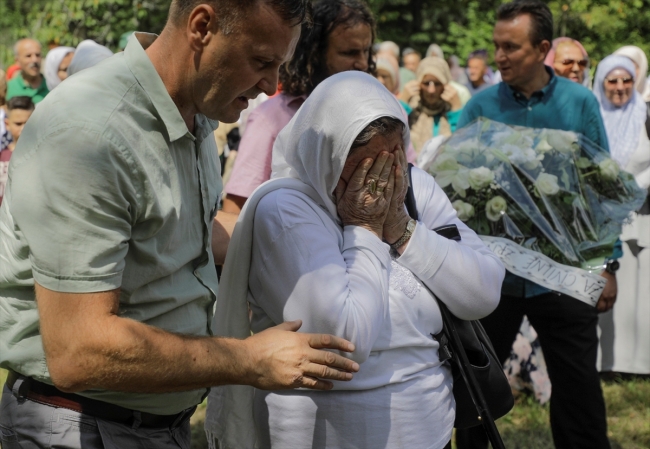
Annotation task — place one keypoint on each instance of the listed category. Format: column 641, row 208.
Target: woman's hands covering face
column 397, row 217
column 366, row 198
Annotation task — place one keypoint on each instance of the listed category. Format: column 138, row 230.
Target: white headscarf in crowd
column 623, row 124
column 88, row 54
column 52, row 63
column 308, row 156
column 639, row 58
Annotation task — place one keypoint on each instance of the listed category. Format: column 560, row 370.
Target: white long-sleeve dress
column 625, row 330
column 344, row 281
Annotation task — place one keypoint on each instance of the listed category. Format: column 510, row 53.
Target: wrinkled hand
column 410, row 90
column 356, row 204
column 450, row 95
column 608, row 296
column 280, row 359
column 397, row 217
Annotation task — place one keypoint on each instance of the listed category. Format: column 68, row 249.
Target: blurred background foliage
column 458, row 26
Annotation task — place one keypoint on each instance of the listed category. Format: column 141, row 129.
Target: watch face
column 615, row 265
column 411, row 225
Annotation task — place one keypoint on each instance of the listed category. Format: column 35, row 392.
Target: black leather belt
column 49, row 395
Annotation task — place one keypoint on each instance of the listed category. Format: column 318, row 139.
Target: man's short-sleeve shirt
column 108, row 189
column 17, row 87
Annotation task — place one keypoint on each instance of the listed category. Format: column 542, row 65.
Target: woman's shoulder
column 288, row 207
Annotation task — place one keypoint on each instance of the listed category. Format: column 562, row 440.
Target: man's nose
column 361, row 63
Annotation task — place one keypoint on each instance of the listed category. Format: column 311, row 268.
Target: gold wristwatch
column 410, row 227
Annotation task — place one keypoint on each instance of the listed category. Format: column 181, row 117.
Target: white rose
column 609, row 168
column 547, row 184
column 480, row 178
column 495, row 208
column 464, row 210
column 543, row 146
column 563, row 141
column 444, row 162
column 460, row 181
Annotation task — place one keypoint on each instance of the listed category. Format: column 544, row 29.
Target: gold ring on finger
column 372, row 186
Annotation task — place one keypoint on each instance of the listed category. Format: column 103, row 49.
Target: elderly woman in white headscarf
column 329, row 241
column 640, row 61
column 56, row 65
column 88, row 54
column 625, row 337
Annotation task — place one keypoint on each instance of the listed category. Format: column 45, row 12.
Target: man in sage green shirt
column 110, row 235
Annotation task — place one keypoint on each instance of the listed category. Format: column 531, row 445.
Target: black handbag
column 481, row 388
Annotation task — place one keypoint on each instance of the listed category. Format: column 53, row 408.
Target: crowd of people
column 333, row 118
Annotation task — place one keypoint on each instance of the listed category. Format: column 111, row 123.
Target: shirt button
column 530, row 108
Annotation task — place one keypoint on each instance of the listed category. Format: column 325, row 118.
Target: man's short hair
column 231, row 11
column 410, row 51
column 540, row 16
column 21, row 102
column 307, row 68
column 481, row 54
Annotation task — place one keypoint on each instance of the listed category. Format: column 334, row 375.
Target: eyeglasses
column 429, row 84
column 614, row 81
column 569, row 62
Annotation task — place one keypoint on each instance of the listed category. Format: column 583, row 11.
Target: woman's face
column 570, row 62
column 379, row 143
column 619, row 86
column 430, row 89
column 386, row 79
column 63, row 67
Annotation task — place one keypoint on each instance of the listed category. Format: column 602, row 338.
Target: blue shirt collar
column 547, row 90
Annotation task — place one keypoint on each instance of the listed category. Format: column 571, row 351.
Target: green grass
column 526, row 427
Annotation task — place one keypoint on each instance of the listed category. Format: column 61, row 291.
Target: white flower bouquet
column 549, row 191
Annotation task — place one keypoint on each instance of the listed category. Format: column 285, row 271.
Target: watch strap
column 406, row 236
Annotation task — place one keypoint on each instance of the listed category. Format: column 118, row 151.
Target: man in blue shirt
column 531, row 95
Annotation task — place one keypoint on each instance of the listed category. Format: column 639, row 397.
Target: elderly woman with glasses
column 329, row 241
column 569, row 59
column 438, row 107
column 625, row 338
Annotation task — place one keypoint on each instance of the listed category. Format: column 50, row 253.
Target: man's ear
column 544, row 47
column 201, row 26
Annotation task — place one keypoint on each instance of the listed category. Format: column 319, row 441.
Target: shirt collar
column 543, row 92
column 147, row 76
column 26, row 86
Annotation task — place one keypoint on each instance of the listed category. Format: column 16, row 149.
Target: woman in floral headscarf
column 625, row 335
column 438, row 107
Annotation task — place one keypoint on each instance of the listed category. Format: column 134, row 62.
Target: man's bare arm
column 233, row 204
column 88, row 346
column 222, row 227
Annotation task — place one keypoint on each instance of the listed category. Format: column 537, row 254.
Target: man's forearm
column 94, row 348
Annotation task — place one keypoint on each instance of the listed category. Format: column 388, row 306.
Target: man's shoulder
column 89, row 100
column 572, row 90
column 486, row 97
column 276, row 111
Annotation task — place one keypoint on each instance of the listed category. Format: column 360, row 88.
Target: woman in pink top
column 340, row 39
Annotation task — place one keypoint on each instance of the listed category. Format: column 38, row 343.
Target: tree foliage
column 458, row 26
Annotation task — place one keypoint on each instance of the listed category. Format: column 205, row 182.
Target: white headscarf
column 308, row 156
column 638, row 56
column 314, row 145
column 52, row 63
column 623, row 124
column 88, row 54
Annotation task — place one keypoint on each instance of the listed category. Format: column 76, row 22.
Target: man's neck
column 536, row 82
column 478, row 83
column 173, row 76
column 33, row 81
